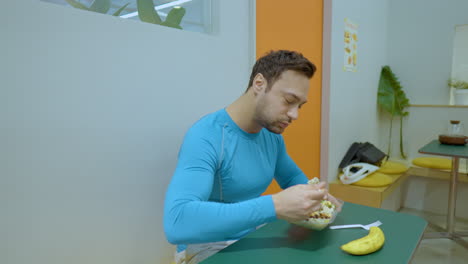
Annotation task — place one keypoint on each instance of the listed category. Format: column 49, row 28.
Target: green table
column 455, row 152
column 270, row 244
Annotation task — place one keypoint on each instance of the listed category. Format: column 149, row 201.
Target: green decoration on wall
column 393, row 100
column 174, row 17
column 98, row 6
column 146, row 11
column 147, row 14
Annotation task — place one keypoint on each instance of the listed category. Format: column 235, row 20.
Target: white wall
column 353, row 95
column 95, row 109
column 422, row 125
column 384, row 38
column 420, row 53
column 421, row 34
column 431, row 195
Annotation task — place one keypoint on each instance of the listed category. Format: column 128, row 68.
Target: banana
column 367, row 244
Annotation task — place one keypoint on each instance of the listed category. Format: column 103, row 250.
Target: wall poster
column 350, row 45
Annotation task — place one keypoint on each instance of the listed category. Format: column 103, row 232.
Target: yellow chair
column 433, row 163
column 392, row 167
column 375, row 179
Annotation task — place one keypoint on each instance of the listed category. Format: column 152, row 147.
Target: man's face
column 279, row 106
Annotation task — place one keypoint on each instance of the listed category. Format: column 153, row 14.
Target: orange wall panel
column 296, row 25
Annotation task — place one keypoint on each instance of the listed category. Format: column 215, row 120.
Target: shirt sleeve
column 188, row 215
column 287, row 173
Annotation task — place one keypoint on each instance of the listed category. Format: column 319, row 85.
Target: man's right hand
column 296, row 203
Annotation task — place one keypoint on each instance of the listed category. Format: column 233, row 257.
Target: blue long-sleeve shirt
column 215, row 192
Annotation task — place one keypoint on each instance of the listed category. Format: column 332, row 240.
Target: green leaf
column 391, row 96
column 77, row 4
column 392, row 99
column 146, row 12
column 117, row 13
column 174, row 17
column 100, row 6
column 386, row 96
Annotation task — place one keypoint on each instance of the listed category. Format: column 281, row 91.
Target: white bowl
column 320, row 223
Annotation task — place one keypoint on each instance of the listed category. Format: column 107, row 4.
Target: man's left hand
column 334, row 201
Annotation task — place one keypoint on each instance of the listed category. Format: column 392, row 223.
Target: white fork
column 367, row 227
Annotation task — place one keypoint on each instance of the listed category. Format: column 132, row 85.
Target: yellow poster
column 350, row 46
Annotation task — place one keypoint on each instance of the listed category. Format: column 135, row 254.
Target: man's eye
column 288, row 101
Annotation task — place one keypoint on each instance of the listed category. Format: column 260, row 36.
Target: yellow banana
column 366, row 245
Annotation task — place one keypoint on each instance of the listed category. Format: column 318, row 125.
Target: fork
column 367, row 227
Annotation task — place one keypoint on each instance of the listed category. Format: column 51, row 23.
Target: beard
column 275, row 129
column 262, row 119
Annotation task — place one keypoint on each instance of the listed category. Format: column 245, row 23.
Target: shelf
column 375, row 196
column 369, row 196
column 444, row 106
column 435, row 174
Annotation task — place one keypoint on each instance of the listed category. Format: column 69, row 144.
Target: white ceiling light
column 159, row 7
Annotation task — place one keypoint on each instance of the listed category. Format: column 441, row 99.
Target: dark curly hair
column 274, row 63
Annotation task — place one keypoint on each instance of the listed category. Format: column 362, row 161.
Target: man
column 228, row 159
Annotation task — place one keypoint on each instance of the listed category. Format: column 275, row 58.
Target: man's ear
column 259, row 83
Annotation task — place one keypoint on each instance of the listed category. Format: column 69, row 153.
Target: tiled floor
column 441, row 250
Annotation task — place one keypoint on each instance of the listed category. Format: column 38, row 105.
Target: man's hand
column 298, row 202
column 334, row 201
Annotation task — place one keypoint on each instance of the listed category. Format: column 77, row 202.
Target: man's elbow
column 172, row 236
column 173, row 239
column 175, row 235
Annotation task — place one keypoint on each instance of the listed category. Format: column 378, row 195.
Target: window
column 459, row 78
column 190, row 15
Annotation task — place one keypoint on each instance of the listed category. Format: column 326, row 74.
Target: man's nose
column 293, row 113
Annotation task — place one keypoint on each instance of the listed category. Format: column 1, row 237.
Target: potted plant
column 460, row 93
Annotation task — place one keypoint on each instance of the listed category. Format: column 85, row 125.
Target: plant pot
column 461, row 96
